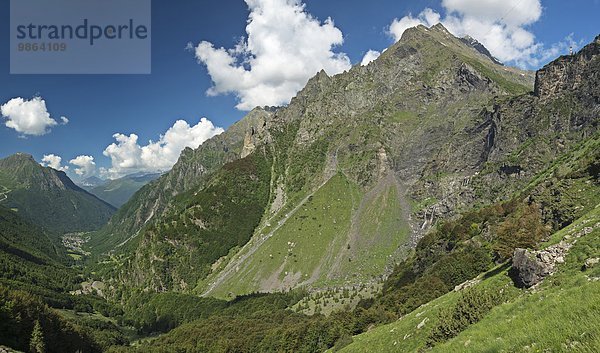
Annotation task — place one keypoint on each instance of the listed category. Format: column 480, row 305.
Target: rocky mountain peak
column 439, row 27
column 18, row 159
column 475, row 44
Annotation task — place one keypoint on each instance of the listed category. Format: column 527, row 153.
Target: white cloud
column 285, row 47
column 513, row 13
column 370, row 56
column 86, row 166
column 64, row 120
column 500, row 25
column 128, row 156
column 427, row 17
column 29, row 117
column 53, row 161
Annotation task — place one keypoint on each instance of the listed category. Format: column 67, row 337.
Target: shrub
column 471, row 307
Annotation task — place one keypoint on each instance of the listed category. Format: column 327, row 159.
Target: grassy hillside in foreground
column 560, row 315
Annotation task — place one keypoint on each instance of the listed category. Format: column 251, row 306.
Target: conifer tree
column 36, row 344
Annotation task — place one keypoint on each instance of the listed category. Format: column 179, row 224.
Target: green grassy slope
column 297, row 251
column 560, row 314
column 338, row 236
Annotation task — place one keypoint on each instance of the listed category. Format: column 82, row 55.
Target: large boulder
column 530, row 268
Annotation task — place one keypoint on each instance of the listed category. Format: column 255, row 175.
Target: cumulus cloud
column 500, row 25
column 371, row 55
column 28, row 117
column 427, row 17
column 285, row 46
column 53, row 161
column 128, row 156
column 85, row 166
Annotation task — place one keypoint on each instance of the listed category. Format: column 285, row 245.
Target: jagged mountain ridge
column 48, row 198
column 367, row 127
column 475, row 44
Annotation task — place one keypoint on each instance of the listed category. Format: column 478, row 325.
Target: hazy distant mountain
column 117, row 192
column 90, row 183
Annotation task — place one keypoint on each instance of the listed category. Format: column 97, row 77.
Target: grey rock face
column 567, row 72
column 531, row 269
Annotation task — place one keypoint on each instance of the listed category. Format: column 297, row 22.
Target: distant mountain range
column 91, row 182
column 118, row 191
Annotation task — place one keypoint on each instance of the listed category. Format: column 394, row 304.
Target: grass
column 403, row 116
column 381, row 230
column 329, row 301
column 296, row 251
column 76, row 257
column 509, row 85
column 366, row 231
column 560, row 315
column 561, row 320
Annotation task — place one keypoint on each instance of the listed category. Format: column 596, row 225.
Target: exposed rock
column 567, row 72
column 473, row 43
column 249, row 145
column 467, row 284
column 531, row 269
column 422, row 323
column 589, row 263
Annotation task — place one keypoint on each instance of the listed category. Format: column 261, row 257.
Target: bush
column 471, row 307
column 522, row 229
column 342, row 342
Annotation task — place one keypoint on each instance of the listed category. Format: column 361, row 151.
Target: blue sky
column 98, row 106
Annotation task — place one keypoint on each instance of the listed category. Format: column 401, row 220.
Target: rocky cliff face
column 365, row 162
column 568, row 72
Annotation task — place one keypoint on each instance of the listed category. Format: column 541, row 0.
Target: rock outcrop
column 567, row 72
column 531, row 267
